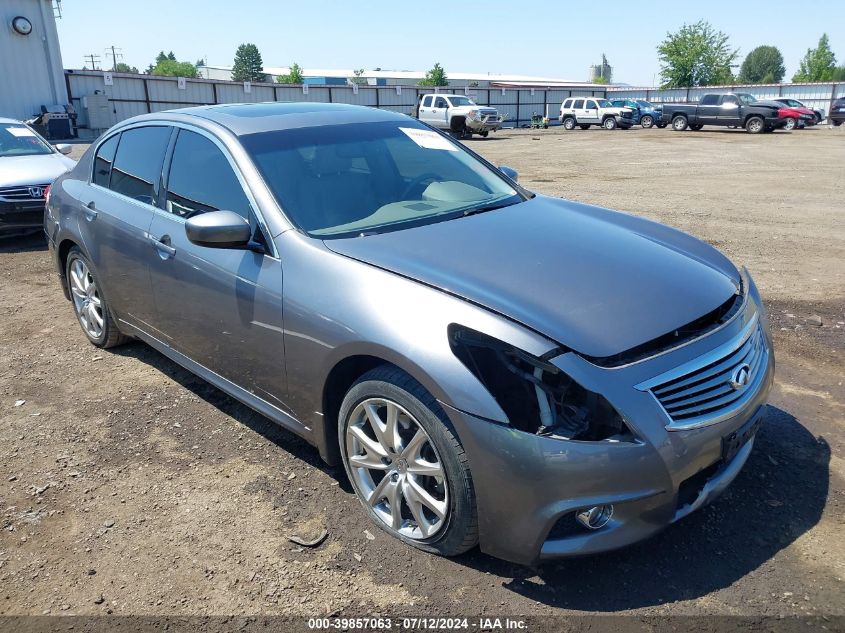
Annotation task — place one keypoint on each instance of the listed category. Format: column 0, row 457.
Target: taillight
column 47, row 194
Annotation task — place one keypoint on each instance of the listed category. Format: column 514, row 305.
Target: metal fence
column 819, row 96
column 130, row 95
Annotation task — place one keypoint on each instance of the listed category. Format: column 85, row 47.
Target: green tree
column 120, row 67
column 171, row 68
column 358, row 77
column 248, row 64
column 294, row 76
column 762, row 65
column 601, row 80
column 838, row 74
column 435, row 77
column 818, row 64
column 696, row 55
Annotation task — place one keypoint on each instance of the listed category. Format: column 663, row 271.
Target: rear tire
column 647, row 121
column 89, row 304
column 680, row 123
column 375, row 393
column 755, row 125
column 569, row 123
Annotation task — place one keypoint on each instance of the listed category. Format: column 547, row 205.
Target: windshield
column 362, row 178
column 604, row 103
column 746, row 98
column 19, row 140
column 461, row 101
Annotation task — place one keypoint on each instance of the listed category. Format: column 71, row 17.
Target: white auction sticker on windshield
column 20, row 131
column 428, row 139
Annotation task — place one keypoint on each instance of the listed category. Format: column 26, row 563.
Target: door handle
column 162, row 245
column 90, row 211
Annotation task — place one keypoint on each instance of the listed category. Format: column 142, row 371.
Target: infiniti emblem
column 741, row 376
column 36, row 192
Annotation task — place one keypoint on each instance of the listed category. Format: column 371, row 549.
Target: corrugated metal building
column 31, row 72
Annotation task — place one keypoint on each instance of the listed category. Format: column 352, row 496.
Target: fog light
column 595, row 518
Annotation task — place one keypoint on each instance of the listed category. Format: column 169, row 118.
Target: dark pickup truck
column 734, row 109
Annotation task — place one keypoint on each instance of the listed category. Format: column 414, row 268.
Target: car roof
column 250, row 118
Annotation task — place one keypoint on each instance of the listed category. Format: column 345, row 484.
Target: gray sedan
column 493, row 367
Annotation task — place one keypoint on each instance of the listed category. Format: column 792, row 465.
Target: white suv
column 587, row 111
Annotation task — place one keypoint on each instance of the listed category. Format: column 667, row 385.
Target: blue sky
column 495, row 36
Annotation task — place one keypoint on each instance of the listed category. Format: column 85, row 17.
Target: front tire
column 609, row 123
column 647, row 121
column 89, row 305
column 790, row 124
column 406, row 464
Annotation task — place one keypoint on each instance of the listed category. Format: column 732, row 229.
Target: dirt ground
column 131, row 487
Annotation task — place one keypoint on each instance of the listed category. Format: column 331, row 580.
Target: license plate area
column 732, row 443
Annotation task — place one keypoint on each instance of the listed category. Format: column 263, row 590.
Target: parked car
column 28, row 165
column 587, row 111
column 644, row 113
column 795, row 118
column 837, row 112
column 794, row 103
column 458, row 114
column 541, row 377
column 802, row 115
column 731, row 109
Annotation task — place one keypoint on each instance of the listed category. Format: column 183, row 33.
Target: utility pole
column 114, row 56
column 93, row 59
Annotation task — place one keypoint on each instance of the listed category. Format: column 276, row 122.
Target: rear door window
column 136, row 170
column 579, row 104
column 103, row 161
column 201, row 179
column 709, row 100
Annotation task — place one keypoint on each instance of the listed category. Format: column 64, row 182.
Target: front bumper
column 19, row 217
column 485, row 124
column 529, row 487
column 624, row 122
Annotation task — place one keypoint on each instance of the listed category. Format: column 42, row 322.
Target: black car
column 837, row 112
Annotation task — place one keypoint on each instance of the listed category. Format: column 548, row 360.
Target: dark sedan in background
column 539, row 377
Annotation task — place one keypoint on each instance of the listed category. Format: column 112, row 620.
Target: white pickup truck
column 458, row 114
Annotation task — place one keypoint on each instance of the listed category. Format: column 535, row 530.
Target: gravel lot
column 131, row 487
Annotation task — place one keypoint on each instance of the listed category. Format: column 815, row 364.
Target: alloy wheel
column 396, row 469
column 86, row 299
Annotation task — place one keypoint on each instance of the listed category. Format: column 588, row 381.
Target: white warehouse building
column 31, row 71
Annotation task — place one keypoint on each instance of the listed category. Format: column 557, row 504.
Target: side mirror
column 510, row 172
column 219, row 229
column 63, row 148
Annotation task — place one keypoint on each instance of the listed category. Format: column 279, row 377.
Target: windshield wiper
column 486, row 207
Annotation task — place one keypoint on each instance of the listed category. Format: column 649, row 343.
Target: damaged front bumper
column 530, row 487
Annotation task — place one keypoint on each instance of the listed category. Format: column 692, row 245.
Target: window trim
column 165, row 169
column 111, row 165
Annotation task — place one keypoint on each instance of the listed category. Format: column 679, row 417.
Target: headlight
column 536, row 396
column 472, row 114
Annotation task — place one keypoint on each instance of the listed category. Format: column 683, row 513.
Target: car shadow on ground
column 30, row 242
column 779, row 495
column 278, row 435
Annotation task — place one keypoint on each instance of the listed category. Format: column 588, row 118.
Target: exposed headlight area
column 536, row 396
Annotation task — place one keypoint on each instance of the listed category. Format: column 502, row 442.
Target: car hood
column 33, row 170
column 597, row 281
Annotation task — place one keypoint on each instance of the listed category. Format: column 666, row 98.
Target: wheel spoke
column 367, row 461
column 411, row 451
column 423, row 496
column 416, row 509
column 394, row 497
column 379, row 491
column 96, row 319
column 385, row 431
column 77, row 292
column 371, row 446
column 95, row 300
column 419, row 466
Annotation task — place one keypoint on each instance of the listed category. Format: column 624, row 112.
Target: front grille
column 627, row 114
column 712, row 388
column 22, row 193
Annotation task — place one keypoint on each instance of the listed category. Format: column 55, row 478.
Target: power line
column 93, row 59
column 114, row 55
